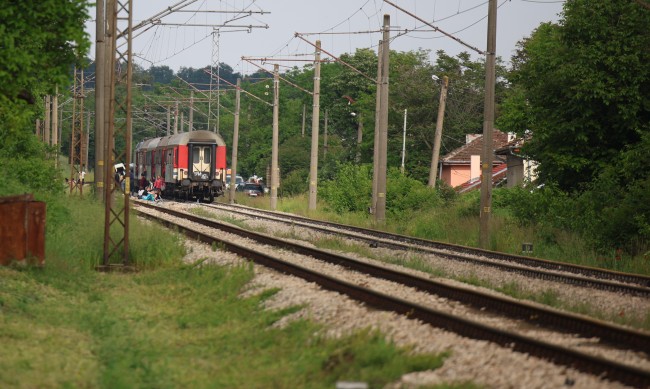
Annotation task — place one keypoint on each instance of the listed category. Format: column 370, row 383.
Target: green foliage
column 350, row 191
column 404, row 193
column 295, row 183
column 40, row 41
column 173, row 327
column 583, row 86
column 25, row 167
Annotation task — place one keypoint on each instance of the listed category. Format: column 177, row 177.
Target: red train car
column 192, row 164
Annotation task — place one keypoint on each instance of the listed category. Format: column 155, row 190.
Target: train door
column 201, row 160
column 158, row 163
column 169, row 165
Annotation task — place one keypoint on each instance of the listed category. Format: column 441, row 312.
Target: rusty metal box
column 22, row 230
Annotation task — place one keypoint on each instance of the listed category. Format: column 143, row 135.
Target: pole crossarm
column 156, row 20
column 243, row 90
column 207, row 97
column 337, row 59
column 250, row 60
column 436, row 28
column 216, row 26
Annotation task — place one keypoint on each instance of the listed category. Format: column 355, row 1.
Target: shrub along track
column 610, row 338
column 531, row 267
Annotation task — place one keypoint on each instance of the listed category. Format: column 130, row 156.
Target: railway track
column 530, row 267
column 608, row 335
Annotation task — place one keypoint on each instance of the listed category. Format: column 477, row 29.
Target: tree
column 40, row 42
column 161, row 74
column 584, row 86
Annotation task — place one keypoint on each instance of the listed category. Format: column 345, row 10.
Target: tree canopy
column 582, row 87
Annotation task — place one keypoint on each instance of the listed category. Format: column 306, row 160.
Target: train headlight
column 204, row 176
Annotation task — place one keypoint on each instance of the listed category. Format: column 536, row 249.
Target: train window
column 206, row 154
column 196, row 158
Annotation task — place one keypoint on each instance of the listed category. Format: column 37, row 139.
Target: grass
column 168, row 325
column 458, row 224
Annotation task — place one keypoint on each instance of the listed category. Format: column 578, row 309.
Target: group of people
column 150, row 191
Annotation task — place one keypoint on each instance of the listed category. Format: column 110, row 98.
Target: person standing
column 132, row 186
column 158, row 184
column 143, row 181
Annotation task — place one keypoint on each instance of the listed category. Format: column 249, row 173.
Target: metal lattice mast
column 215, row 65
column 77, row 139
column 118, row 134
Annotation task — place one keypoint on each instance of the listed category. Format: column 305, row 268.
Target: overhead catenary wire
column 241, row 89
column 270, row 72
column 337, row 59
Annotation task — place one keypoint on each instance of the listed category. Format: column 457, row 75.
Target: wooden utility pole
column 275, row 179
column 100, row 66
column 433, row 172
column 235, row 144
column 488, row 124
column 380, row 211
column 315, row 117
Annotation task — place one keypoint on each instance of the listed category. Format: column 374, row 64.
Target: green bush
column 350, row 190
column 407, row 194
column 295, row 183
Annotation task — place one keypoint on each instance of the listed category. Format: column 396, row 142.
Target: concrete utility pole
column 100, row 57
column 303, row 120
column 48, row 115
column 380, row 211
column 182, row 122
column 488, row 124
column 176, row 118
column 357, row 157
column 402, row 168
column 375, row 148
column 433, row 172
column 315, row 117
column 191, row 125
column 235, row 143
column 275, row 179
column 169, row 120
column 55, row 117
column 325, row 135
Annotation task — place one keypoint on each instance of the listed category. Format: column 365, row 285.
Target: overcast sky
column 341, row 25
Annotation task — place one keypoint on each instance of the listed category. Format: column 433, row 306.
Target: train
column 192, row 164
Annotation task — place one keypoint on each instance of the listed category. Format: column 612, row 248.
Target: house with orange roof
column 462, row 167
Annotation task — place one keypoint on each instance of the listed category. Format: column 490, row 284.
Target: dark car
column 251, row 189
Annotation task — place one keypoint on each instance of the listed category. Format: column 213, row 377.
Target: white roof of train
column 183, row 138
